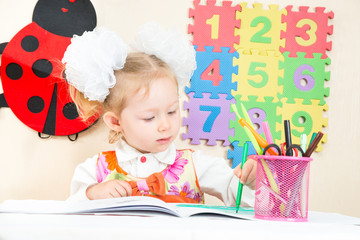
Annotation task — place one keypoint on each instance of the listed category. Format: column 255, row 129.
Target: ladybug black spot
column 42, row 68
column 14, row 71
column 30, row 43
column 70, row 111
column 36, row 104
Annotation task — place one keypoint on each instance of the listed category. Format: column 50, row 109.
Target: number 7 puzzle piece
column 208, row 119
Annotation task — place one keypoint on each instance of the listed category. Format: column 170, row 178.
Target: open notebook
column 134, row 205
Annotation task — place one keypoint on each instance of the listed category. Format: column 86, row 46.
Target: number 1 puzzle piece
column 214, row 25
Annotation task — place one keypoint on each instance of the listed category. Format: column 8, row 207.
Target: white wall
column 42, row 169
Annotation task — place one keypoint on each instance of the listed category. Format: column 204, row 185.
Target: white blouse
column 215, row 177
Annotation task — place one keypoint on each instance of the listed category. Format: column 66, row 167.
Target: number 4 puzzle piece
column 213, row 73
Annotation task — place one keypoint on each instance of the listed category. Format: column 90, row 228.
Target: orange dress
column 176, row 183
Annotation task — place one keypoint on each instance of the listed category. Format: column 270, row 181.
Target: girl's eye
column 148, row 119
column 172, row 112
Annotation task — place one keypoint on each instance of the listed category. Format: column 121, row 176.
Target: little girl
column 137, row 95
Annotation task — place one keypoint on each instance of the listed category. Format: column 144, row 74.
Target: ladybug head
column 65, row 17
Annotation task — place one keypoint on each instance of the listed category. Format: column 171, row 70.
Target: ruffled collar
column 124, row 152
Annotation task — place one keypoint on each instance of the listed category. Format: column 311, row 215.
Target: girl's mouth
column 164, row 140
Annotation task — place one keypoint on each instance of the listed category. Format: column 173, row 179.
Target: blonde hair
column 138, row 72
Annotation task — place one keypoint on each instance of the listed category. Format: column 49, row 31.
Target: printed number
column 212, row 73
column 304, row 82
column 254, row 71
column 214, row 22
column 259, row 36
column 303, row 120
column 257, row 116
column 214, row 112
column 311, row 32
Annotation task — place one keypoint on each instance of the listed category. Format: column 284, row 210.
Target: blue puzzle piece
column 213, row 73
column 236, row 154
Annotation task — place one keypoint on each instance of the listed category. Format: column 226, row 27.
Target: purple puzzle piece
column 208, row 119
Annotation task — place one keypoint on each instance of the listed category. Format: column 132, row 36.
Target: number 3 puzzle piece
column 307, row 31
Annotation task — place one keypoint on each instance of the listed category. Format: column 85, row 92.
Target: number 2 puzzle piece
column 214, row 25
column 208, row 119
column 213, row 73
column 305, row 119
column 260, row 28
column 307, row 31
column 304, row 78
column 236, row 154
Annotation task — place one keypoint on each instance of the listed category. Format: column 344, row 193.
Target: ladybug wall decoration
column 31, row 68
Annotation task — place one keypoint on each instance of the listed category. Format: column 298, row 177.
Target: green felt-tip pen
column 240, row 186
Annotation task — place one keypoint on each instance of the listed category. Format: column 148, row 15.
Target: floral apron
column 176, row 183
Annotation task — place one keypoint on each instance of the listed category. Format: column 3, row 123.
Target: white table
column 58, row 226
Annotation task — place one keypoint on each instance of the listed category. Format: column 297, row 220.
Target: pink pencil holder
column 282, row 187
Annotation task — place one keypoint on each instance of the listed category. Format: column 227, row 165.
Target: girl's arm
column 84, row 176
column 216, row 178
column 84, row 185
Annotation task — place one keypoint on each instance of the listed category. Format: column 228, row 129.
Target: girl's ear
column 112, row 121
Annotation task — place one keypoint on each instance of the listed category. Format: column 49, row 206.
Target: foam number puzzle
column 272, row 61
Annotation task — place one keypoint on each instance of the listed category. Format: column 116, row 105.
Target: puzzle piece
column 260, row 28
column 304, row 119
column 258, row 75
column 213, row 73
column 236, row 154
column 305, row 78
column 208, row 119
column 307, row 31
column 258, row 113
column 214, row 25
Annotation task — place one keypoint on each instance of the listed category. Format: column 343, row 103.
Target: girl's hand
column 247, row 175
column 109, row 189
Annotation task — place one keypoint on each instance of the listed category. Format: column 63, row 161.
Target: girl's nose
column 164, row 124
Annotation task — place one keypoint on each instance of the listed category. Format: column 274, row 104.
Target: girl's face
column 150, row 123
